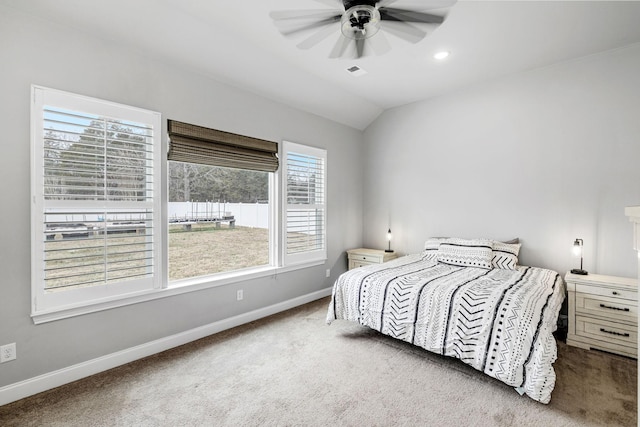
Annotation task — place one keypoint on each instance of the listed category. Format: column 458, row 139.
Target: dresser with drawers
column 603, row 313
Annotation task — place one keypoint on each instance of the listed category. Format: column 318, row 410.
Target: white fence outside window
column 245, row 214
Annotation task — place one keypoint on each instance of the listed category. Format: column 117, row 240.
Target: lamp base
column 579, row 271
column 389, row 250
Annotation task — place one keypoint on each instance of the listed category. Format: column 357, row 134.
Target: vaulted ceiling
column 236, row 42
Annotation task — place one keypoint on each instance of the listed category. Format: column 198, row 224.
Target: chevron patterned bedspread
column 498, row 321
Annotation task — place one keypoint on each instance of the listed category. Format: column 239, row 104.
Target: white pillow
column 476, row 253
column 505, row 255
column 431, row 247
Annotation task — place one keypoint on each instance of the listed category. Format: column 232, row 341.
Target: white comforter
column 498, row 321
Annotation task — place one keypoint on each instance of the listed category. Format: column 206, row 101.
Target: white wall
column 548, row 156
column 37, row 52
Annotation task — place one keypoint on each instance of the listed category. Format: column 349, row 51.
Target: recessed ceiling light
column 441, row 55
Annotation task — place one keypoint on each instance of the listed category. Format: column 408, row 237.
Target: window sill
column 173, row 288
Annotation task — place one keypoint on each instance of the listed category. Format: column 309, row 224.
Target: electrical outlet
column 239, row 295
column 7, row 352
column 328, row 272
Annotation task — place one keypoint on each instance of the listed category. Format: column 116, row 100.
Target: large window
column 219, row 201
column 236, row 206
column 218, row 219
column 95, row 200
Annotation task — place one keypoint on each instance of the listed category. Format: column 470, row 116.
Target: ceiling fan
column 359, row 21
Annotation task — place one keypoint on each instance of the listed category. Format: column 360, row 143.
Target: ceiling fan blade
column 340, row 47
column 403, row 15
column 379, row 44
column 296, row 27
column 282, row 15
column 333, row 3
column 417, row 5
column 404, row 31
column 317, row 37
column 385, row 3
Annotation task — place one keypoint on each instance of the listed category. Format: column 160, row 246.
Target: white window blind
column 305, row 217
column 96, row 200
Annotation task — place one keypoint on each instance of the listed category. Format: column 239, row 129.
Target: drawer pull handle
column 615, row 293
column 613, row 308
column 614, row 332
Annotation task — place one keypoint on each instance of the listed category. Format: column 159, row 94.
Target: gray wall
column 33, row 51
column 548, row 156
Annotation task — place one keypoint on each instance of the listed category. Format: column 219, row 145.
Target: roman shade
column 196, row 144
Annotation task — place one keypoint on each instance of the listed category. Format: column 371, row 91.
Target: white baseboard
column 31, row 386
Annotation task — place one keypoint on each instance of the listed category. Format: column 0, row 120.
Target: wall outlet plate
column 7, row 352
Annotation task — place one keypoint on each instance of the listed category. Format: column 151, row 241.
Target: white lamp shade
column 577, row 251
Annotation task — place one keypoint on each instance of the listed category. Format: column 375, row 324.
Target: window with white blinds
column 95, row 200
column 305, row 215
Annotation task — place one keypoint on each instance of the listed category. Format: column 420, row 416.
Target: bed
column 468, row 299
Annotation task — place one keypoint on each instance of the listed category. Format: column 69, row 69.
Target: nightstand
column 603, row 313
column 363, row 256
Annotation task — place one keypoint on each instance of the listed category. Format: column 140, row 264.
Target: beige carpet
column 293, row 369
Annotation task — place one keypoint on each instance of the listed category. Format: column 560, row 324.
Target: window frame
column 65, row 305
column 44, row 302
column 315, row 255
column 247, row 271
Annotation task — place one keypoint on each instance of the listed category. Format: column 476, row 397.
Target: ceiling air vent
column 356, row 71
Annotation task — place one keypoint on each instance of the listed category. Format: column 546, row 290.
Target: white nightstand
column 603, row 313
column 363, row 256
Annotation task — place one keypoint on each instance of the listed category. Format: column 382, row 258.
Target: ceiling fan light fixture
column 360, row 22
